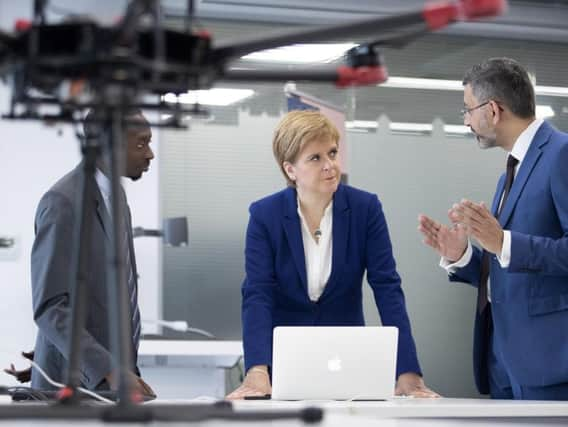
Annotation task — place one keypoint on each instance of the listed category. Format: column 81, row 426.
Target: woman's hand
column 256, row 383
column 412, row 384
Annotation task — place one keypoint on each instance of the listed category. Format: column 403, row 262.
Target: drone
column 77, row 64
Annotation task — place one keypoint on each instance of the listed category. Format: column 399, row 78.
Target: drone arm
column 431, row 17
column 343, row 76
column 278, row 75
column 440, row 15
column 39, row 11
column 127, row 27
column 368, row 27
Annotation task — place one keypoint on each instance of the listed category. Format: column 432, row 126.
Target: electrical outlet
column 9, row 247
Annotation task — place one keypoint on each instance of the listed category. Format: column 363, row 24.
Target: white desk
column 396, row 413
column 424, row 408
column 187, row 369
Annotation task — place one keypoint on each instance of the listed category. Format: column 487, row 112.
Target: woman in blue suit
column 307, row 249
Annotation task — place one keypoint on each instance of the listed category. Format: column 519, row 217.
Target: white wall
column 105, row 11
column 32, row 158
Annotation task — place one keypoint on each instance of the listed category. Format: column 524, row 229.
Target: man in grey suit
column 52, row 269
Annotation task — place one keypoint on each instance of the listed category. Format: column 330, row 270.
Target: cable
column 200, row 332
column 181, row 326
column 59, row 385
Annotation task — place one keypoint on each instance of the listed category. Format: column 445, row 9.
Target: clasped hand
column 468, row 219
column 479, row 223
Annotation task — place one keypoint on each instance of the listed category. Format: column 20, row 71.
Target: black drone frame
column 76, row 65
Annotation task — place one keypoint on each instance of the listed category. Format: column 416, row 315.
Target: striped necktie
column 131, row 279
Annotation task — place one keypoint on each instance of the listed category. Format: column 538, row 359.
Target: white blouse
column 318, row 255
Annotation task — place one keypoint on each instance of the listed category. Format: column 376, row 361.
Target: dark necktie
column 130, row 280
column 484, row 274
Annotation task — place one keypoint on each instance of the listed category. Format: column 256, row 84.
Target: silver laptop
column 329, row 362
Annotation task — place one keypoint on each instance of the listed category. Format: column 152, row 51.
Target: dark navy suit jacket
column 275, row 288
column 530, row 297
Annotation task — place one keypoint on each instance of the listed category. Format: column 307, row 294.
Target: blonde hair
column 295, row 131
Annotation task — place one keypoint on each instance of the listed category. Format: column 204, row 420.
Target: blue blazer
column 275, row 288
column 530, row 297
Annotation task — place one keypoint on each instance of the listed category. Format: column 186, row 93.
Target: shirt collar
column 326, row 213
column 104, row 184
column 524, row 140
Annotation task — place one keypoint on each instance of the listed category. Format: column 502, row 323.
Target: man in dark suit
column 53, row 252
column 521, row 270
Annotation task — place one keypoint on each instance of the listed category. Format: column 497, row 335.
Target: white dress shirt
column 519, row 152
column 104, row 186
column 318, row 254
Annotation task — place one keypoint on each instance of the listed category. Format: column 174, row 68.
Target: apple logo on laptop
column 334, row 364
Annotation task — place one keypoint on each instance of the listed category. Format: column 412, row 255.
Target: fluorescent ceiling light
column 410, row 127
column 428, row 84
column 551, row 91
column 544, row 111
column 456, row 85
column 302, row 53
column 393, row 126
column 361, row 124
column 215, row 96
column 457, row 130
column 407, row 127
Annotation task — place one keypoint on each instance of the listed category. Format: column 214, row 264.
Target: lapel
column 102, row 213
column 293, row 230
column 341, row 216
column 128, row 225
column 105, row 220
column 531, row 158
column 498, row 194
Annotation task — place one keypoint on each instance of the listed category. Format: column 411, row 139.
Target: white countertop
column 423, row 408
column 444, row 412
column 190, row 348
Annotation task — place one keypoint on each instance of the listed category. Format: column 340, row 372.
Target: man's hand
column 25, row 375
column 22, row 376
column 144, row 389
column 449, row 242
column 480, row 224
column 256, row 383
column 138, row 385
column 412, row 384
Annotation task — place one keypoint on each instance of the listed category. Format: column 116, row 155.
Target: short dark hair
column 96, row 125
column 503, row 80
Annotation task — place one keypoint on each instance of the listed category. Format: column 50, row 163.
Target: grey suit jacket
column 53, row 260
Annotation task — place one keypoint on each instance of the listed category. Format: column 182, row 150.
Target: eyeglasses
column 469, row 110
